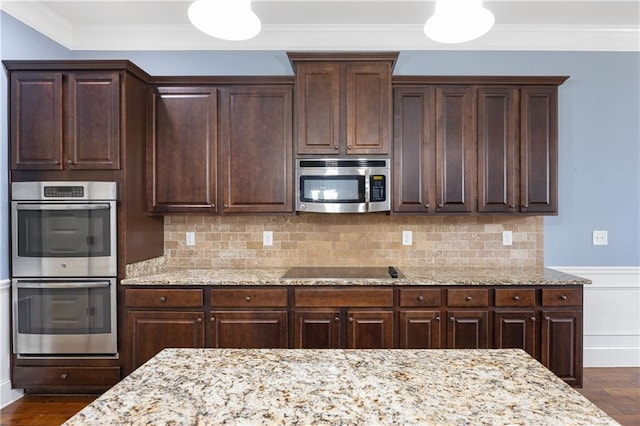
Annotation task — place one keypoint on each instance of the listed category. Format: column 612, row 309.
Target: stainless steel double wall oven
column 64, row 268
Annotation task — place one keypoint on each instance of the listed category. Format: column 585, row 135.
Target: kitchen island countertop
column 412, row 276
column 271, row 386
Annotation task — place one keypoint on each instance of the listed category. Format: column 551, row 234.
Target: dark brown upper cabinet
column 65, row 120
column 182, row 150
column 434, row 144
column 256, row 159
column 462, row 139
column 518, row 149
column 343, row 103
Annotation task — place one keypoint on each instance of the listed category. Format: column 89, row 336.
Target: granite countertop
column 412, row 276
column 347, row 387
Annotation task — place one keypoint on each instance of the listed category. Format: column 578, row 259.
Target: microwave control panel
column 377, row 188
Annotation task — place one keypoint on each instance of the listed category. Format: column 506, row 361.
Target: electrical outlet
column 191, row 238
column 407, row 238
column 600, row 238
column 507, row 238
column 267, row 238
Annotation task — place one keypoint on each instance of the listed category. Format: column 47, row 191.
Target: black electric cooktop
column 362, row 272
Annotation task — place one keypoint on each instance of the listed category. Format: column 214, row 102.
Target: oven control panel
column 64, row 191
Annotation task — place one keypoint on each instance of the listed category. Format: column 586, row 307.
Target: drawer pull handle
column 64, row 376
column 516, row 298
column 468, row 298
column 337, row 319
column 563, row 297
column 163, row 299
column 248, row 298
column 420, row 298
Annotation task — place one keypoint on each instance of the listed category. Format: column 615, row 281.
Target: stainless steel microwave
column 340, row 185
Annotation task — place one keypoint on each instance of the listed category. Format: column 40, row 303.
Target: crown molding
column 319, row 37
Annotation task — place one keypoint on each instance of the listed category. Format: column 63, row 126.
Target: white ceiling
column 583, row 25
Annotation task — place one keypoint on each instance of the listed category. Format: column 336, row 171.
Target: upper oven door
column 63, row 239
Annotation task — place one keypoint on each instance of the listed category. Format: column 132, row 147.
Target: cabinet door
column 414, row 150
column 257, row 157
column 455, row 145
column 539, row 149
column 515, row 330
column 36, row 121
column 249, row 329
column 181, row 153
column 148, row 332
column 420, row 329
column 498, row 149
column 370, row 330
column 467, row 330
column 318, row 108
column 316, row 329
column 368, row 108
column 561, row 346
column 93, row 111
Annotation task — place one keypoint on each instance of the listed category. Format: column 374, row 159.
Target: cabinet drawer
column 65, row 376
column 241, row 298
column 164, row 298
column 515, row 297
column 561, row 297
column 343, row 298
column 419, row 297
column 468, row 297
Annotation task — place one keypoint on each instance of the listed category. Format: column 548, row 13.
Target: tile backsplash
column 352, row 240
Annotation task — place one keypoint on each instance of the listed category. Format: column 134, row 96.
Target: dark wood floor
column 615, row 390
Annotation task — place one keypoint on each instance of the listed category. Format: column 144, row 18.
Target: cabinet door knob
column 213, row 205
column 248, row 298
column 199, row 320
column 56, row 162
column 163, row 299
column 225, row 205
column 70, row 162
column 533, row 319
column 335, row 147
column 441, row 205
column 438, row 318
column 337, row 319
column 64, row 376
column 426, row 205
column 512, row 206
column 452, row 319
column 348, row 146
column 547, row 318
column 516, row 298
column 213, row 319
column 468, row 298
column 563, row 297
column 420, row 298
column 350, row 319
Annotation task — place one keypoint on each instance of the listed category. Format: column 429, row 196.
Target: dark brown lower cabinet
column 468, row 329
column 249, row 329
column 419, row 329
column 515, row 329
column 561, row 344
column 316, row 329
column 148, row 332
column 370, row 330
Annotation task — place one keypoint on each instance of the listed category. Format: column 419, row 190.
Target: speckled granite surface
column 413, row 276
column 357, row 387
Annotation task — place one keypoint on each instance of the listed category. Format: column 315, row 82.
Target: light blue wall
column 599, row 182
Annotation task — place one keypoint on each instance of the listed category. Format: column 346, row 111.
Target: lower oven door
column 64, row 317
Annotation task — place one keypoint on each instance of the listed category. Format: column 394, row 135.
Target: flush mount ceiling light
column 457, row 21
column 226, row 19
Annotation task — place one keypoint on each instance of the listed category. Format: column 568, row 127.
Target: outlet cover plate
column 407, row 238
column 267, row 238
column 600, row 238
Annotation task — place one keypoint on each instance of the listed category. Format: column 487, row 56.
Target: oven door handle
column 98, row 206
column 76, row 284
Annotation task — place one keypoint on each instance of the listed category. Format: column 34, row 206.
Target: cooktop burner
column 362, row 272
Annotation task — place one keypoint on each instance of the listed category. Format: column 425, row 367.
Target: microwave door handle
column 78, row 284
column 366, row 190
column 62, row 206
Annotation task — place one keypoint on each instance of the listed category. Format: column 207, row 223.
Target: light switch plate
column 191, row 238
column 600, row 238
column 507, row 238
column 267, row 238
column 407, row 238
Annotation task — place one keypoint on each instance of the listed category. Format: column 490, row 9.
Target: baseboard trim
column 611, row 357
column 8, row 395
